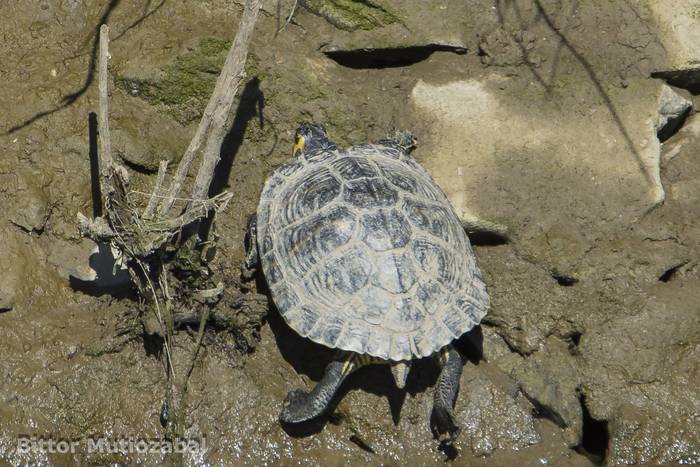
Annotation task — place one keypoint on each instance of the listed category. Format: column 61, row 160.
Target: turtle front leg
column 252, row 259
column 300, row 406
column 402, row 140
column 442, row 420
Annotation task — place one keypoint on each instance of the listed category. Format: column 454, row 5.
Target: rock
column 352, row 15
column 490, row 418
column 679, row 32
column 499, row 48
column 672, row 110
column 89, row 267
column 31, row 209
column 550, row 380
column 641, row 374
column 142, row 136
column 494, row 348
column 484, row 145
column 7, row 291
column 654, row 435
column 687, row 136
column 71, row 259
column 681, row 172
column 12, row 265
column 393, row 25
column 181, row 89
column 526, row 306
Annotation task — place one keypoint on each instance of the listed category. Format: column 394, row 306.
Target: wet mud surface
column 539, row 116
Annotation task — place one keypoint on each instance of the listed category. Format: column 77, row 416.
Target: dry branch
column 103, row 113
column 140, row 233
column 150, row 239
column 155, row 196
column 214, row 123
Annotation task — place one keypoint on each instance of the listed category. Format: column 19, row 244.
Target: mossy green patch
column 351, row 15
column 187, row 84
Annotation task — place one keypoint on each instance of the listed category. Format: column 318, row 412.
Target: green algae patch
column 187, row 84
column 350, row 15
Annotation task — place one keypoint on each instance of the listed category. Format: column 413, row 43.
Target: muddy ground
column 550, row 118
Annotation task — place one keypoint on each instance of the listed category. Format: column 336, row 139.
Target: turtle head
column 310, row 137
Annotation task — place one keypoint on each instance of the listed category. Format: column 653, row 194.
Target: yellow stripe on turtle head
column 298, row 146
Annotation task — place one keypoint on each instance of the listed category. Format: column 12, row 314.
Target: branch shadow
column 251, row 104
column 69, row 99
column 565, row 44
column 93, row 155
column 109, row 280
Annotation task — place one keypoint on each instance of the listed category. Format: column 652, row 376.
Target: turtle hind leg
column 301, row 406
column 442, row 420
column 252, row 259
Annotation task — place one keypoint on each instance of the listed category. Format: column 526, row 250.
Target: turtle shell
column 363, row 252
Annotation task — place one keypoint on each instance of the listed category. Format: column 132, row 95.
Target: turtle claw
column 252, row 260
column 444, row 426
column 300, row 406
column 295, row 406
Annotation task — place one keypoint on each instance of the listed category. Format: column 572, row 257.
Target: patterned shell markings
column 363, row 252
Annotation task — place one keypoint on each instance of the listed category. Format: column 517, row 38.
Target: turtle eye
column 299, row 145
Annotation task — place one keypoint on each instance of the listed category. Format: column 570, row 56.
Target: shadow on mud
column 69, row 99
column 251, row 105
column 360, row 59
column 109, row 279
column 563, row 43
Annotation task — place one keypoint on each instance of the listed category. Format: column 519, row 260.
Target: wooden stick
column 213, row 125
column 155, row 195
column 103, row 115
column 232, row 74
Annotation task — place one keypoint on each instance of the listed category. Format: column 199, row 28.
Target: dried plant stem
column 213, row 125
column 289, row 17
column 200, row 336
column 103, row 113
column 155, row 196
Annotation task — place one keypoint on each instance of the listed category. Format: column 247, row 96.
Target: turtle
column 363, row 253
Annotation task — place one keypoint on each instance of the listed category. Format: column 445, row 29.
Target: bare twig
column 155, row 196
column 289, row 18
column 200, row 335
column 200, row 209
column 167, row 342
column 103, row 115
column 213, row 125
column 114, row 179
column 167, row 323
column 169, row 228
